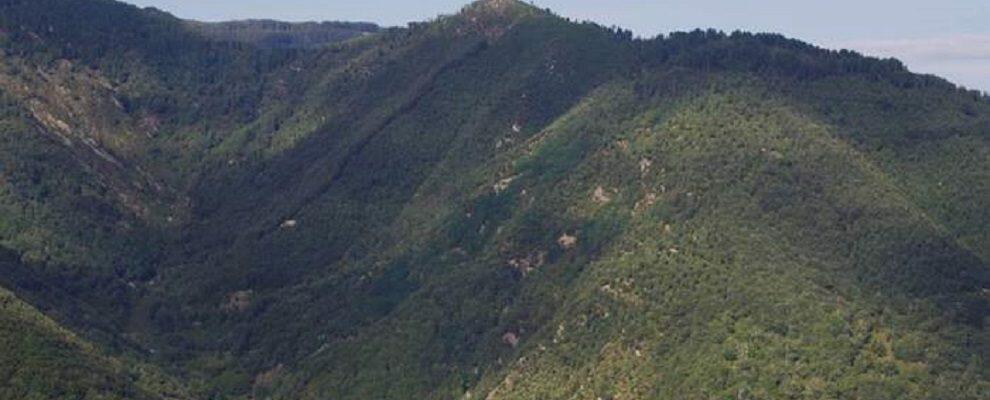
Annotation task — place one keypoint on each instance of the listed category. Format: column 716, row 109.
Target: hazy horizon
column 950, row 39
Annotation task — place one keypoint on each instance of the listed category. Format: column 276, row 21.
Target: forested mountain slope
column 499, row 203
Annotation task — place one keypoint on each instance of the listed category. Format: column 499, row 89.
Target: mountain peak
column 500, row 5
column 494, row 17
column 501, row 8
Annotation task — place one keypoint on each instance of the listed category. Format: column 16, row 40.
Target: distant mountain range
column 495, row 204
column 276, row 34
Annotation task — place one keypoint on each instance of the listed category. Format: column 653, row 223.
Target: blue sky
column 950, row 38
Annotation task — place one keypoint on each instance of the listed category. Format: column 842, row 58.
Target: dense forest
column 499, row 203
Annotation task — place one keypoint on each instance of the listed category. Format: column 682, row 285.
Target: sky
column 949, row 38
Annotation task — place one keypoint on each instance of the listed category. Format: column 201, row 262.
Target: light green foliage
column 735, row 300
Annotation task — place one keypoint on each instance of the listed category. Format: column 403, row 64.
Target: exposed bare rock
column 503, row 184
column 527, row 264
column 644, row 165
column 511, row 339
column 601, row 196
column 238, row 301
column 567, row 242
column 646, row 202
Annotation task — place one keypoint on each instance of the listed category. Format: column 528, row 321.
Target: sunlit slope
column 709, row 227
column 792, row 269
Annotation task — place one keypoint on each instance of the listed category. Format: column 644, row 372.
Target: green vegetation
column 42, row 360
column 496, row 204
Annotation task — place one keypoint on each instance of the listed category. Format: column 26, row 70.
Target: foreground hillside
column 497, row 204
column 41, row 360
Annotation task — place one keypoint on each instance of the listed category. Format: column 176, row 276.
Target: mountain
column 497, row 204
column 277, row 34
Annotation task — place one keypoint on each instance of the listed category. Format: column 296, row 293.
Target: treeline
column 770, row 55
column 774, row 54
